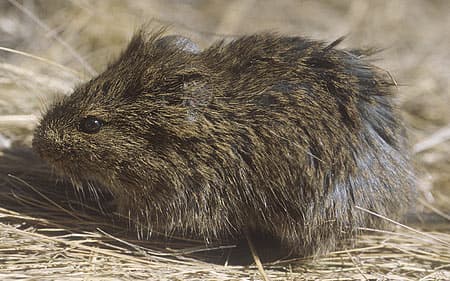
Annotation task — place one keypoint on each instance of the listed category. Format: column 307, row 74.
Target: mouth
column 58, row 164
column 55, row 162
column 63, row 171
column 66, row 166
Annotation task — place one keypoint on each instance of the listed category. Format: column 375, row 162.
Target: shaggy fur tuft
column 278, row 136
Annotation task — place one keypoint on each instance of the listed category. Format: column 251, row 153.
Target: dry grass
column 49, row 232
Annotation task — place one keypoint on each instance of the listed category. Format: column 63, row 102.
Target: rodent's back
column 268, row 134
column 316, row 129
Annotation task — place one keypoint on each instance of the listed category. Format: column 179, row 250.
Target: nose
column 40, row 142
column 46, row 143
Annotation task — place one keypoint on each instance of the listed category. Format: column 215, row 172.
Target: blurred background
column 48, row 46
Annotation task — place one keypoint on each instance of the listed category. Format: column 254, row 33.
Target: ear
column 180, row 42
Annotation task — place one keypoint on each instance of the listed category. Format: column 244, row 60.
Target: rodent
column 265, row 134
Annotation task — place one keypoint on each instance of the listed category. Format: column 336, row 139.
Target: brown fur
column 282, row 136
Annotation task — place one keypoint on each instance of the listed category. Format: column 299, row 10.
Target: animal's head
column 128, row 119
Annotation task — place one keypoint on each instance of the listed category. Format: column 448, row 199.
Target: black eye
column 90, row 125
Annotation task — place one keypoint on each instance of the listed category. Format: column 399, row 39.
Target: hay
column 49, row 231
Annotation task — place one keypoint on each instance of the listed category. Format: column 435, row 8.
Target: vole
column 265, row 134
